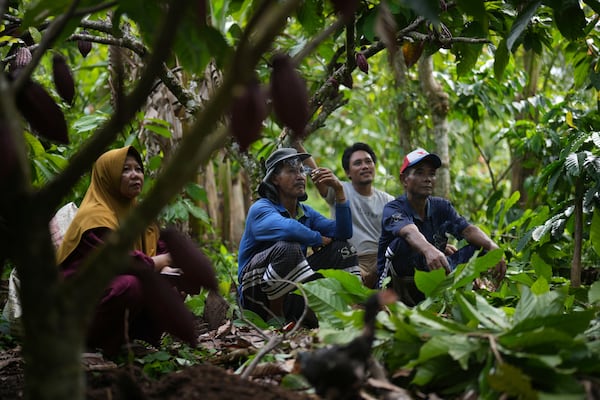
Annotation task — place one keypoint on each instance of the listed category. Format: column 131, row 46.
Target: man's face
column 291, row 179
column 361, row 168
column 419, row 180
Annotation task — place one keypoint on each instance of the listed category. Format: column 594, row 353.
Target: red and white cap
column 418, row 155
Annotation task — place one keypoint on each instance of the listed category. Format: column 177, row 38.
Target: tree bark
column 439, row 106
column 577, row 234
column 519, row 172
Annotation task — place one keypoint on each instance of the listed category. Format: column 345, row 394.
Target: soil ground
column 106, row 380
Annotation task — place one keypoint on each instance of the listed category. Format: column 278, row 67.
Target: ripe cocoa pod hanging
column 289, row 95
column 41, row 111
column 248, row 111
column 362, row 63
column 197, row 268
column 84, row 46
column 412, row 52
column 63, row 79
column 22, row 58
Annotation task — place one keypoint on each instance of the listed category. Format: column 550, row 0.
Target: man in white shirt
column 366, row 203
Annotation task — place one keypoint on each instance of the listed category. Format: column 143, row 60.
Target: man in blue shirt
column 415, row 227
column 279, row 229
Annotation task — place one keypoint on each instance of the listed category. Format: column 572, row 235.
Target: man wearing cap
column 279, row 229
column 415, row 227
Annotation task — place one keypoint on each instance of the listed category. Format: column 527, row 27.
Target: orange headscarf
column 105, row 206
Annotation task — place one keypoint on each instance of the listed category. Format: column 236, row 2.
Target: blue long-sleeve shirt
column 268, row 223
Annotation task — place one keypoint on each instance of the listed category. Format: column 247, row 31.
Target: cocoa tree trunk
column 577, row 235
column 439, row 106
column 53, row 338
column 401, row 82
column 519, row 172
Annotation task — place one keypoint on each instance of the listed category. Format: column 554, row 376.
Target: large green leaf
column 475, row 266
column 459, row 347
column 513, row 381
column 595, row 231
column 428, row 281
column 532, row 306
column 594, row 293
column 546, row 340
column 570, row 19
column 520, row 24
column 482, row 314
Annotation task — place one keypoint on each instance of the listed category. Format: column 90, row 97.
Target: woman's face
column 132, row 178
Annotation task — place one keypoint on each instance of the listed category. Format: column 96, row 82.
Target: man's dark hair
column 356, row 147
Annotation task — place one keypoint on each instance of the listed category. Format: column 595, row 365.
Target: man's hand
column 450, row 249
column 435, row 259
column 324, row 176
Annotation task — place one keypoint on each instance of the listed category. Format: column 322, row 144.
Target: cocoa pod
column 248, row 111
column 8, row 158
column 63, row 79
column 41, row 111
column 362, row 63
column 289, row 94
column 197, row 268
column 412, row 52
column 22, row 58
column 84, row 46
column 346, row 8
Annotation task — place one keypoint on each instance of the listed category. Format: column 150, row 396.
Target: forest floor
column 131, row 376
column 214, row 379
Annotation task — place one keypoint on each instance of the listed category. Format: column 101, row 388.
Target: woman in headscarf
column 117, row 180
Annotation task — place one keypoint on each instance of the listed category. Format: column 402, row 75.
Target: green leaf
column 544, row 339
column 310, row 15
column 570, row 19
column 428, row 281
column 196, row 192
column 540, row 286
column 513, row 381
column 521, row 23
column 475, row 267
column 594, row 293
column 482, row 313
column 595, row 231
column 328, row 297
column 573, row 323
column 542, row 269
column 535, row 306
column 429, row 9
column 159, row 129
column 501, row 59
column 459, row 347
column 476, row 8
column 90, row 122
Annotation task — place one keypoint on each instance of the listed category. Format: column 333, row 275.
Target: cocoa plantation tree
column 244, row 41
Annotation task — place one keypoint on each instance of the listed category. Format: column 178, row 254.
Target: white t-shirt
column 366, row 216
